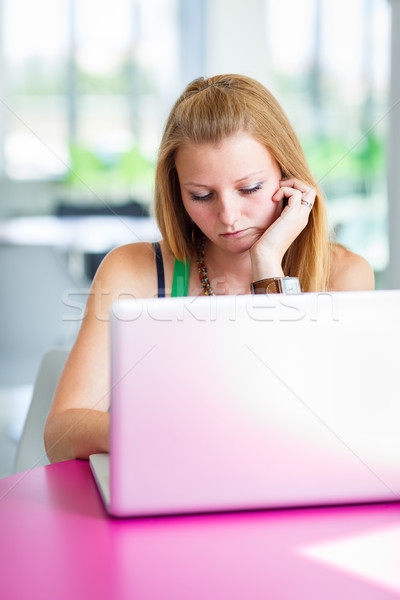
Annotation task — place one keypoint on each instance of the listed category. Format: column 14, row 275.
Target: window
column 88, row 84
column 35, row 75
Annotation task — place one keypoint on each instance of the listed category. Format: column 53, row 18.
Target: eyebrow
column 236, row 181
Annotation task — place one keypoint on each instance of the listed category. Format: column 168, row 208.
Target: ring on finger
column 307, row 203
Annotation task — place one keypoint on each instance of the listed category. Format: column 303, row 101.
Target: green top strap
column 180, row 282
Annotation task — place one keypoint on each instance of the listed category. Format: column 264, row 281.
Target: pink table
column 56, row 542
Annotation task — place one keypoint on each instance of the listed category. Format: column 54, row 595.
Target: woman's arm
column 76, row 433
column 78, row 422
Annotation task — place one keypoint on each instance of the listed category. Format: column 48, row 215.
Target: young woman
column 238, row 210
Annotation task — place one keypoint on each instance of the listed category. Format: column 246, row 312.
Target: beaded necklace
column 202, row 269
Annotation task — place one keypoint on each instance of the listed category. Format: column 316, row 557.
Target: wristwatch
column 276, row 285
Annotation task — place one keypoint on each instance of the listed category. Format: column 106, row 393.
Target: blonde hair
column 210, row 110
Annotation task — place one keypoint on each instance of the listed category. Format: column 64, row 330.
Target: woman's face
column 227, row 189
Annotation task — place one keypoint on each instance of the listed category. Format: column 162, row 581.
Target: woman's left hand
column 267, row 253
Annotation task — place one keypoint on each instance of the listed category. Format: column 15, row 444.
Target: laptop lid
column 245, row 402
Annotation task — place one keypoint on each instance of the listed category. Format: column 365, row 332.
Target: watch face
column 290, row 285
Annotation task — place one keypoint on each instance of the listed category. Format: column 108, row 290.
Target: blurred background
column 85, row 89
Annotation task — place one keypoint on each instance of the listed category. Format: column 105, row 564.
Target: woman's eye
column 252, row 189
column 199, row 198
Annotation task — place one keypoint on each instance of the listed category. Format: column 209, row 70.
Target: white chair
column 31, row 452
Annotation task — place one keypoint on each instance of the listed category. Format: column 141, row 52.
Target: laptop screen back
column 227, row 403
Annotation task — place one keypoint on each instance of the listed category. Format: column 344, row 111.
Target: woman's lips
column 234, row 234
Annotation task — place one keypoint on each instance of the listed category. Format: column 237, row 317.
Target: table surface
column 87, row 234
column 58, row 542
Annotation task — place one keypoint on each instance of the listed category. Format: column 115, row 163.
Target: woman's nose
column 229, row 210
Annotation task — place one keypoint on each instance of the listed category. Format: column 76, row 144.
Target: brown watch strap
column 266, row 286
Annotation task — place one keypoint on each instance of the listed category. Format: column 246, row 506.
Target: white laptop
column 251, row 402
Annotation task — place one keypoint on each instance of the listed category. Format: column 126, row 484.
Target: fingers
column 297, row 184
column 296, row 192
column 293, row 196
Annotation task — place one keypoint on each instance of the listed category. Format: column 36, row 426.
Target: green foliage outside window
column 341, row 168
column 90, row 168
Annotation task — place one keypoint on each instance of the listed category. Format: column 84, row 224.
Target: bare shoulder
column 128, row 270
column 349, row 271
